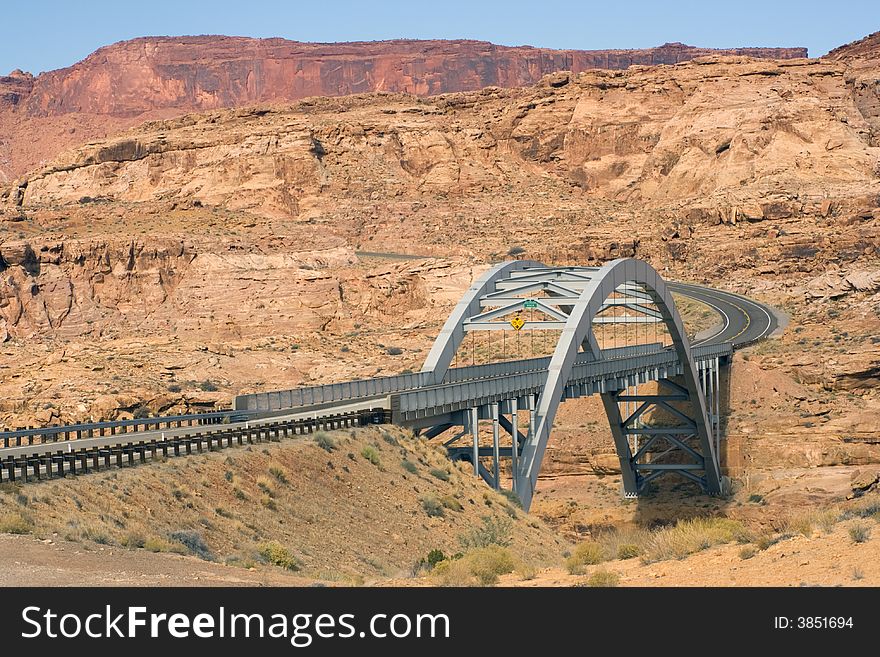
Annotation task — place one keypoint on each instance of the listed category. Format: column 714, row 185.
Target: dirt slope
column 371, row 507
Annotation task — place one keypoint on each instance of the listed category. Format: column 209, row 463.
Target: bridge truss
column 671, row 428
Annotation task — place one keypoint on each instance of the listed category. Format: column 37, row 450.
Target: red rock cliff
column 126, row 83
column 197, row 73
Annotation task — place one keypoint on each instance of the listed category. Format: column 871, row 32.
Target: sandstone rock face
column 863, row 59
column 721, row 130
column 158, row 77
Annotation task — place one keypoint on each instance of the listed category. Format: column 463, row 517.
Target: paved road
column 743, row 320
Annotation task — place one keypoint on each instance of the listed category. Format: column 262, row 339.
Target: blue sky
column 40, row 35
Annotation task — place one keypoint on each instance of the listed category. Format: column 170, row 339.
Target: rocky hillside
column 862, row 58
column 728, row 136
column 343, row 506
column 131, row 81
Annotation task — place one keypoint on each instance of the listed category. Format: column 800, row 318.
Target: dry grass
column 624, row 543
column 588, row 553
column 859, row 532
column 690, row 536
column 371, row 454
column 747, row 552
column 335, row 513
column 602, row 579
column 278, row 555
column 15, row 523
column 481, row 566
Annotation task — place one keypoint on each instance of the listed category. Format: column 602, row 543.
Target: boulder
column 605, row 464
column 19, row 253
column 864, row 281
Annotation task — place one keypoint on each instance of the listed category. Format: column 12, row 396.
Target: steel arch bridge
column 575, row 297
column 662, row 398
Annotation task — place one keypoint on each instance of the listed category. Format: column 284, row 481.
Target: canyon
column 189, row 252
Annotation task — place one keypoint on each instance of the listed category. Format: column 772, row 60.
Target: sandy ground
column 29, row 561
column 831, row 559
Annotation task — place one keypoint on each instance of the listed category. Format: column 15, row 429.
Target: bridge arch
column 577, row 334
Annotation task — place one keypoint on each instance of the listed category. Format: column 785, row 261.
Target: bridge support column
column 514, row 434
column 475, row 428
column 621, row 443
column 496, row 450
column 531, row 402
column 717, row 396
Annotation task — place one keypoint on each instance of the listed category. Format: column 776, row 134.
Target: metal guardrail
column 20, row 437
column 45, row 463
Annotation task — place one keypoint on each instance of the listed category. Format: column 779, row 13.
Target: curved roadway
column 743, row 321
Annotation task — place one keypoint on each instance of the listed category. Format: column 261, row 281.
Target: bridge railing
column 385, row 385
column 19, row 437
column 381, row 386
column 598, row 375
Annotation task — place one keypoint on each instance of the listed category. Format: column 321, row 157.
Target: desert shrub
column 603, row 579
column 442, row 475
column 156, row 544
column 747, row 552
column 801, row 523
column 453, row 572
column 767, row 540
column 628, row 551
column 515, row 250
column 756, row 498
column 239, row 494
column 394, row 351
column 588, row 553
column 174, row 388
column 388, row 438
column 432, row 506
column 228, row 475
column 480, row 566
column 689, row 536
column 494, row 531
column 266, row 485
column 487, row 563
column 624, row 543
column 449, row 502
column 208, row 386
column 15, row 523
column 223, row 513
column 434, row 557
column 95, row 534
column 140, row 412
column 525, row 571
column 864, row 509
column 371, row 454
column 268, row 502
column 278, row 555
column 133, row 540
column 324, row 441
column 278, row 472
column 409, row 466
column 859, row 532
column 193, row 542
column 429, row 561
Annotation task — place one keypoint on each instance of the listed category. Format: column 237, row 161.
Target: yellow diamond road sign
column 517, row 323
